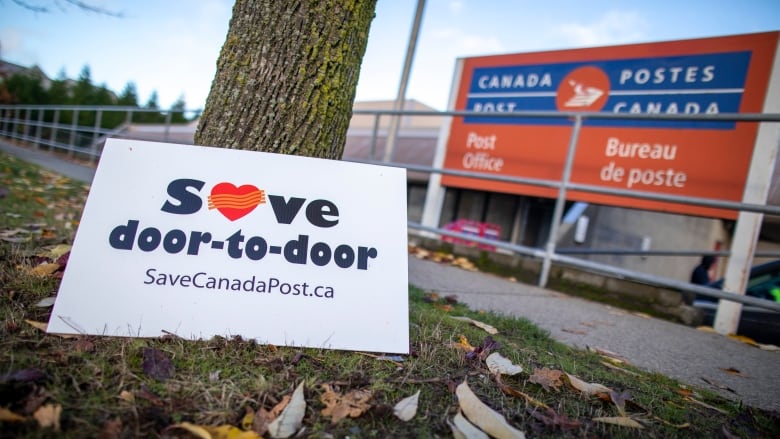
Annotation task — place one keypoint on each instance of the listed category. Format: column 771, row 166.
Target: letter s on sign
column 189, row 202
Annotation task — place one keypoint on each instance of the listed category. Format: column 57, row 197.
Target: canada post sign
column 688, row 158
column 208, row 241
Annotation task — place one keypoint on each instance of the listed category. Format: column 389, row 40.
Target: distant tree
column 129, row 96
column 177, row 111
column 83, row 91
column 59, row 90
column 151, row 116
column 152, row 102
column 25, row 88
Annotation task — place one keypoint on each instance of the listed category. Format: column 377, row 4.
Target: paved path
column 50, row 161
column 656, row 345
column 671, row 349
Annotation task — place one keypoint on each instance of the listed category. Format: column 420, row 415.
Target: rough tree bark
column 286, row 76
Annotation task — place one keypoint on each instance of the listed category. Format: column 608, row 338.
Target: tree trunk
column 286, row 76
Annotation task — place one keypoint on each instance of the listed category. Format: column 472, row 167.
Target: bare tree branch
column 30, row 7
column 78, row 3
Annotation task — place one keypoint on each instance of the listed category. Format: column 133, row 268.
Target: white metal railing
column 29, row 124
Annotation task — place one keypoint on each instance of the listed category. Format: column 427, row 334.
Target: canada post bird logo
column 584, row 89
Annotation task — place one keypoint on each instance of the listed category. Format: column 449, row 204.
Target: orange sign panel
column 708, row 159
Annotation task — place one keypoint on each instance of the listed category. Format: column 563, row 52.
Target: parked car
column 760, row 324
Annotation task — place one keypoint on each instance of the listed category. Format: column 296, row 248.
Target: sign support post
column 748, row 224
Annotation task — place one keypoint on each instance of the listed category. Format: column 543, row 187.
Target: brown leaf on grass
column 733, row 371
column 127, row 396
column 547, row 378
column 622, row 421
column 218, row 432
column 444, row 307
column 262, row 418
column 156, row 364
column 352, row 404
column 483, row 416
column 463, row 344
column 44, row 269
column 9, row 416
column 587, row 388
column 111, row 429
column 38, row 325
column 516, row 393
column 487, row 328
column 551, row 418
column 290, row 419
column 48, row 416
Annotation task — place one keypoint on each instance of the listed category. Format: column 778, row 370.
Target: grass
column 105, row 389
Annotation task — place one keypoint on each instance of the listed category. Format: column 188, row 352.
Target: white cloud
column 613, row 27
column 455, row 6
column 10, row 40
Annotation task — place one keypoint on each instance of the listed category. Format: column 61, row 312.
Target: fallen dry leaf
column 55, row 252
column 9, row 416
column 463, row 429
column 291, row 418
column 516, row 393
column 551, row 418
column 743, row 339
column 483, row 416
column 487, row 328
column 111, row 429
column 219, row 432
column 587, row 388
column 338, row 407
column 45, row 269
column 463, row 344
column 45, row 303
column 619, row 399
column 127, row 396
column 497, row 363
column 704, row 404
column 156, row 364
column 48, row 416
column 622, row 421
column 407, row 407
column 38, row 325
column 482, row 351
column 547, row 378
column 735, row 372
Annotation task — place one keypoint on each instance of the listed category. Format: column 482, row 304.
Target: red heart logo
column 235, row 202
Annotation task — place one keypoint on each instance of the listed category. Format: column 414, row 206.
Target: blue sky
column 171, row 46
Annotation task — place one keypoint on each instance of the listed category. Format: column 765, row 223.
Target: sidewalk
column 684, row 353
column 694, row 357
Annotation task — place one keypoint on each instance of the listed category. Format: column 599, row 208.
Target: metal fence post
column 39, row 127
column 96, row 135
column 55, row 122
column 374, row 136
column 73, row 128
column 26, row 131
column 559, row 203
column 167, row 124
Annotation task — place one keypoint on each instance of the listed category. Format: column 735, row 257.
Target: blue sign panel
column 693, row 84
